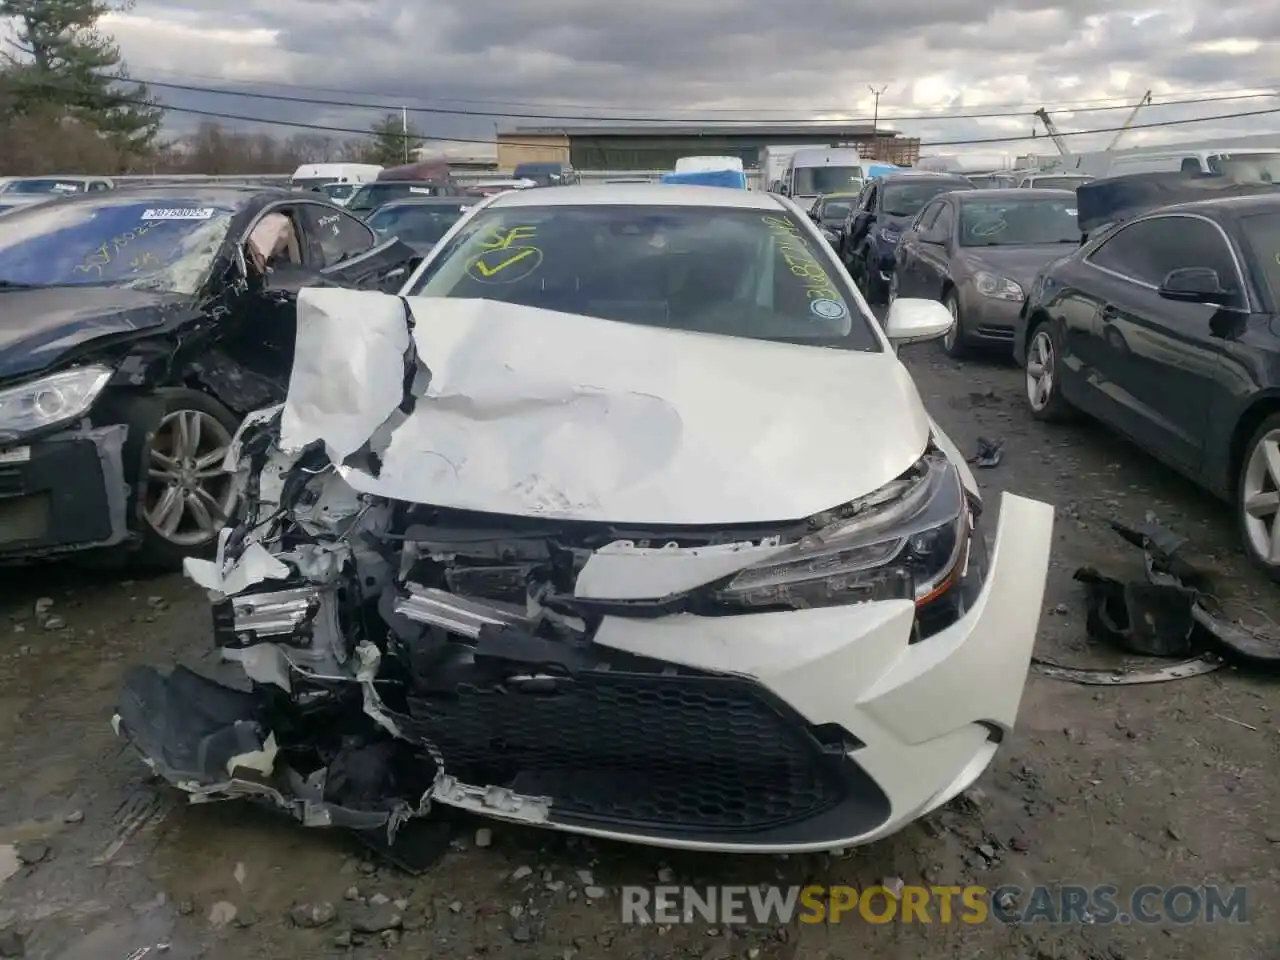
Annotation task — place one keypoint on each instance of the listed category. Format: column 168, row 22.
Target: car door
column 934, row 263
column 1159, row 363
column 346, row 251
column 863, row 220
column 908, row 262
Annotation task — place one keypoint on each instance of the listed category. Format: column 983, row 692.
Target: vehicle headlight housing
column 50, row 401
column 909, row 540
column 997, row 288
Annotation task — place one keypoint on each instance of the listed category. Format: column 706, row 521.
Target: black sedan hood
column 1020, row 263
column 41, row 325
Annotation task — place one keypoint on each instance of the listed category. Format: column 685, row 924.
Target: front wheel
column 1258, row 498
column 1044, row 393
column 184, row 496
column 954, row 342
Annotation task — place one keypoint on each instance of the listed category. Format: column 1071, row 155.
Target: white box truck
column 814, row 172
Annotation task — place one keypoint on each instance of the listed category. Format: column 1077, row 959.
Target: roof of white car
column 639, row 194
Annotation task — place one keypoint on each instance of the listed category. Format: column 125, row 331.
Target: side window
column 929, row 214
column 97, row 185
column 1148, row 250
column 944, row 225
column 333, row 236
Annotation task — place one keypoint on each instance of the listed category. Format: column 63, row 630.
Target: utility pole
column 875, row 120
column 404, row 129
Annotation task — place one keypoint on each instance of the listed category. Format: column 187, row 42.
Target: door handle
column 1109, row 314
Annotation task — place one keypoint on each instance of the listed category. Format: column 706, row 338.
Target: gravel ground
column 1163, row 784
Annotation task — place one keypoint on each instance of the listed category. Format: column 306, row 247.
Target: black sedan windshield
column 373, row 195
column 908, row 199
column 167, row 244
column 417, row 224
column 719, row 270
column 1007, row 223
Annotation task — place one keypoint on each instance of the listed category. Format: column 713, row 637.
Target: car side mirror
column 1195, row 285
column 915, row 321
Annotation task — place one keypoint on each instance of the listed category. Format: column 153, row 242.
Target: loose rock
column 375, row 919
column 522, row 872
column 75, row 816
column 31, row 852
column 222, row 913
column 312, row 915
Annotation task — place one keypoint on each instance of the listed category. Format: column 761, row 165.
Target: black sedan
column 137, row 327
column 977, row 251
column 830, row 211
column 419, row 221
column 1164, row 326
column 887, row 204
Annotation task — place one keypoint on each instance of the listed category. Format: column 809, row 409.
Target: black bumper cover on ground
column 55, row 500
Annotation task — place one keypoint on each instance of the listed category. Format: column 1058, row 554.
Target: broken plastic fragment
column 254, row 565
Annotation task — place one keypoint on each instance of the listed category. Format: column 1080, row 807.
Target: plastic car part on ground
column 1168, row 614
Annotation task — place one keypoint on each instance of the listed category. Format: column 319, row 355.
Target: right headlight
column 56, row 399
column 908, row 540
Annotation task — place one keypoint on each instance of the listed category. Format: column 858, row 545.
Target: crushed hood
column 39, row 326
column 529, row 412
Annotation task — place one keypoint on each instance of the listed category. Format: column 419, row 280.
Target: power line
column 1076, row 105
column 347, row 104
column 323, row 128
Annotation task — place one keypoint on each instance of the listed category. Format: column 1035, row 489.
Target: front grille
column 685, row 752
column 995, row 332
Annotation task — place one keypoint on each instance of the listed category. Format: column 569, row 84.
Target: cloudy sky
column 726, row 60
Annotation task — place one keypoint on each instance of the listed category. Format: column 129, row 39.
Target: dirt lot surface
column 1160, row 784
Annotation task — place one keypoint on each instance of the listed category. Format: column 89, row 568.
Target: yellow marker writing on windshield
column 489, row 269
column 510, row 238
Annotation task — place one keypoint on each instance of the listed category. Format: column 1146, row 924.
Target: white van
column 1252, row 165
column 311, row 175
column 704, row 164
column 813, row 173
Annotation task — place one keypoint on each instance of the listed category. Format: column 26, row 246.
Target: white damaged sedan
column 623, row 519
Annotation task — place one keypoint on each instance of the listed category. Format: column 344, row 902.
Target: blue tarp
column 709, row 178
column 880, row 169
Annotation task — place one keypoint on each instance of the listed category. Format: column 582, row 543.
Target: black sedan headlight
column 909, row 540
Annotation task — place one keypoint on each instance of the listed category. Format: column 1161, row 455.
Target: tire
column 1045, row 403
column 180, row 476
column 954, row 342
column 1257, row 503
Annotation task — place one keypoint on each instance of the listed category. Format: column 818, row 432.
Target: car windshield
column 836, row 209
column 373, row 195
column 415, row 223
column 908, row 199
column 1058, row 183
column 811, row 181
column 45, row 185
column 1248, row 167
column 166, row 244
column 1010, row 223
column 720, row 270
column 1262, row 235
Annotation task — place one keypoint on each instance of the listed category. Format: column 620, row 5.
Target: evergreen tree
column 390, row 144
column 61, row 63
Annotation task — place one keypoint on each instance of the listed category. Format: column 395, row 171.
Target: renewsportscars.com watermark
column 1103, row 904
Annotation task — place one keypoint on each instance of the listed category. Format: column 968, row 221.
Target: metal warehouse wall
column 661, row 153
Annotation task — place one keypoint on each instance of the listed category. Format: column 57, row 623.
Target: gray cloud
column 732, row 60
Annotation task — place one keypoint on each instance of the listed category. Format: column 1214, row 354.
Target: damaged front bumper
column 63, row 492
column 401, row 656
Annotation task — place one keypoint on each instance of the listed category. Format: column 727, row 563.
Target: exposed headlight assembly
column 908, row 540
column 997, row 288
column 50, row 401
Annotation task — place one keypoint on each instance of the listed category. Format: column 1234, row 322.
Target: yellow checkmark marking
column 486, row 270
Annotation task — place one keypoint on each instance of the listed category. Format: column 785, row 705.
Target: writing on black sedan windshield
column 167, row 245
column 729, row 271
column 1006, row 223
